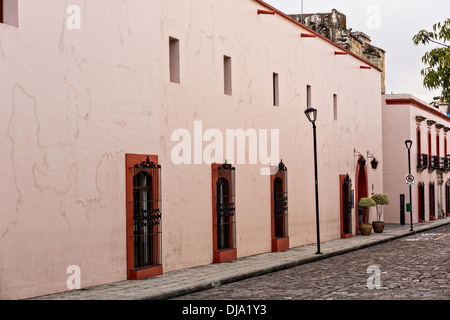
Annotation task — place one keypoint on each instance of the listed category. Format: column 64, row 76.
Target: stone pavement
column 177, row 283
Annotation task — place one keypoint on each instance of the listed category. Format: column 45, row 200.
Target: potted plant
column 380, row 200
column 366, row 227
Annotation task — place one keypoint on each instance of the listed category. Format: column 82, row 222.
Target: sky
column 391, row 25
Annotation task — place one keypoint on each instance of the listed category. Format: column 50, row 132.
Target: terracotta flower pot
column 366, row 229
column 378, row 226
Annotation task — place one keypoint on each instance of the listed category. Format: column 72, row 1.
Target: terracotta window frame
column 445, row 147
column 430, row 156
column 420, row 157
column 134, row 164
column 438, row 148
column 224, row 223
column 279, row 209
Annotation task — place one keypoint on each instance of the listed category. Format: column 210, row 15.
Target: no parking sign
column 410, row 179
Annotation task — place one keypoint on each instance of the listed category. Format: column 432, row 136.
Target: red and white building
column 406, row 117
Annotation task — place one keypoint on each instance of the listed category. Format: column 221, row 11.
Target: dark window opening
column 9, row 12
column 308, row 96
column 432, row 202
column 227, row 75
column 276, row 98
column 174, row 60
column 335, row 106
column 225, row 214
column 421, row 200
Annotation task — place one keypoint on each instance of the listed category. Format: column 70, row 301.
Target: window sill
column 346, row 235
column 280, row 244
column 145, row 273
column 226, row 255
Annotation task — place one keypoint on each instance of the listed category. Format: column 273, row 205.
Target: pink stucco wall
column 74, row 102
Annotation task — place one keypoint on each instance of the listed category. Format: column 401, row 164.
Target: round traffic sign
column 410, row 178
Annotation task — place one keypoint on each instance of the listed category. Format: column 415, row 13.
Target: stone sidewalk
column 177, row 283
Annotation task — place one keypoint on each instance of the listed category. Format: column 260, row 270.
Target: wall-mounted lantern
column 374, row 161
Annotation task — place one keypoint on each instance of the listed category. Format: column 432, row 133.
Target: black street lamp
column 311, row 114
column 408, row 144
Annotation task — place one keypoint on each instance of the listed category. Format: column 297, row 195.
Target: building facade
column 148, row 136
column 407, row 118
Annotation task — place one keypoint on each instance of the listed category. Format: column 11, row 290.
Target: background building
column 407, row 118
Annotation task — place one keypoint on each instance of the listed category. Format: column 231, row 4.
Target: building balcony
column 445, row 163
column 434, row 163
column 422, row 161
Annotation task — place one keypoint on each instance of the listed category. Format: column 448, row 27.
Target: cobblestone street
column 412, row 268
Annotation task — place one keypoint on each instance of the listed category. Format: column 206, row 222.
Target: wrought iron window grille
column 147, row 215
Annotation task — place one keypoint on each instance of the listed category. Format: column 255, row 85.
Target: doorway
column 421, row 202
column 362, row 190
column 345, row 184
column 432, row 202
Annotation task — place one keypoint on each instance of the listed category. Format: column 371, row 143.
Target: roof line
column 416, row 103
column 316, row 33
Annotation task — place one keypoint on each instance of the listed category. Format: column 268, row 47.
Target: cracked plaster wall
column 75, row 101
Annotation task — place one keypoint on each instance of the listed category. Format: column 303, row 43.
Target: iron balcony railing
column 434, row 162
column 445, row 163
column 422, row 161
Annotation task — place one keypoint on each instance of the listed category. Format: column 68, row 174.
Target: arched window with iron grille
column 224, row 213
column 144, row 215
column 279, row 209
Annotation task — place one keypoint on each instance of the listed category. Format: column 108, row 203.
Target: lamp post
column 311, row 114
column 408, row 144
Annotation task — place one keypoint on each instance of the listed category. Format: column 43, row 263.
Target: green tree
column 437, row 61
